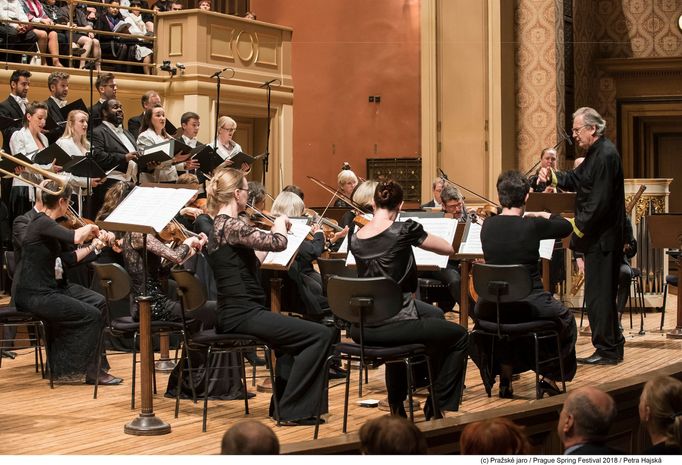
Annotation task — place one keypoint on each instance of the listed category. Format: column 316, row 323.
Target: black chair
column 637, row 286
column 10, row 317
column 434, row 291
column 192, row 297
column 509, row 284
column 363, row 301
column 117, row 284
column 334, row 267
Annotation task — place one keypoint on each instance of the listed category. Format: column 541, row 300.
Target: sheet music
column 297, row 234
column 441, row 227
column 343, row 248
column 471, row 244
column 546, row 248
column 151, row 206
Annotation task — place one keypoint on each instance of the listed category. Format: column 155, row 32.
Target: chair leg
column 178, row 388
column 434, row 398
column 665, row 295
column 360, row 369
column 205, row 412
column 346, row 396
column 275, row 401
column 185, row 353
column 325, row 387
column 410, row 386
column 538, row 392
column 561, row 363
column 242, row 372
column 48, row 359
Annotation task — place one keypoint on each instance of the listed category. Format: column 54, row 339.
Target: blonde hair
column 114, row 196
column 187, row 178
column 226, row 119
column 69, row 131
column 663, row 396
column 346, row 176
column 287, row 203
column 364, row 193
column 220, row 189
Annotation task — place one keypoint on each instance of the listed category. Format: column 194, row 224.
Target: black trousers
column 446, row 344
column 601, row 286
column 302, row 349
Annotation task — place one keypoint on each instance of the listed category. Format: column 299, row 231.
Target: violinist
column 153, row 131
column 347, row 181
column 235, row 251
column 73, row 313
column 189, row 213
column 548, row 159
column 453, row 203
column 511, row 238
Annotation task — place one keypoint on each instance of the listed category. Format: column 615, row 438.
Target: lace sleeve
column 233, row 231
column 174, row 255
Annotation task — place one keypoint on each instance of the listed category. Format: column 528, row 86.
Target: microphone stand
column 218, row 75
column 266, row 154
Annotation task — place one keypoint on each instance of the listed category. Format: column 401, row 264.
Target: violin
column 329, row 226
column 176, row 232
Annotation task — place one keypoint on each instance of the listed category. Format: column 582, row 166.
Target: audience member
column 497, row 436
column 584, row 422
column 391, row 435
column 205, row 5
column 660, row 410
column 18, row 36
column 250, row 15
column 249, row 437
column 176, row 6
column 138, row 27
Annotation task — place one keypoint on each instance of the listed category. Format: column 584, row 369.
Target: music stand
column 147, row 209
column 85, row 167
column 560, row 202
column 665, row 232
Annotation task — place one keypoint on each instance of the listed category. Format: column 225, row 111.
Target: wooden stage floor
column 67, row 420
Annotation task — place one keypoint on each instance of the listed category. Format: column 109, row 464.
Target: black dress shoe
column 596, row 359
column 547, row 388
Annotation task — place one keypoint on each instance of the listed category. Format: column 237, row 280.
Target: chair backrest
column 114, row 279
column 334, row 267
column 9, row 263
column 508, row 283
column 364, row 300
column 190, row 289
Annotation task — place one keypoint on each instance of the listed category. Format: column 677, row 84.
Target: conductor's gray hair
column 591, row 118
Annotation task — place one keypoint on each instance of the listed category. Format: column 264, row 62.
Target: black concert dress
column 511, row 240
column 389, row 254
column 302, row 346
column 73, row 324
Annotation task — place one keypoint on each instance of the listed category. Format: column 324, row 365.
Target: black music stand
column 85, row 167
column 665, row 231
column 559, row 202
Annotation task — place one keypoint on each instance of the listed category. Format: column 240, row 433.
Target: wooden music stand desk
column 665, row 231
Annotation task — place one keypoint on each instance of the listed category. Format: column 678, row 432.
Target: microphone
column 267, row 83
column 218, row 73
column 442, row 174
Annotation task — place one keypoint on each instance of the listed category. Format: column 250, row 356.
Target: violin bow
column 445, row 178
column 358, row 209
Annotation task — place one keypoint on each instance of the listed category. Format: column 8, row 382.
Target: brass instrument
column 37, row 170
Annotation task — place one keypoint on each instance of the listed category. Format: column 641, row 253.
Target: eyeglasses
column 229, row 129
column 576, row 131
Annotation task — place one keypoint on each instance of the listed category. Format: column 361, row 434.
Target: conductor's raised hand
column 545, row 174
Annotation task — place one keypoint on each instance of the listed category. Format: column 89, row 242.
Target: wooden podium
column 665, row 231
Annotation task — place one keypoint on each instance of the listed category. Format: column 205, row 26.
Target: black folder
column 170, row 128
column 85, row 167
column 163, row 151
column 6, row 122
column 240, row 158
column 207, row 158
column 51, row 124
column 8, row 165
column 52, row 152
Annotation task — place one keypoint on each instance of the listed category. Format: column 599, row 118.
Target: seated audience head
column 512, row 189
column 391, row 435
column 154, row 118
column 347, row 181
column 250, row 15
column 176, row 6
column 295, row 189
column 437, row 186
column 189, row 122
column 19, row 83
column 205, row 5
column 548, row 158
column 497, row 436
column 363, row 195
column 289, row 204
column 53, row 202
column 35, row 116
column 660, row 409
column 77, row 127
column 586, row 417
column 227, row 186
column 388, row 195
column 452, row 201
column 112, row 112
column 106, row 86
column 257, row 195
column 58, row 84
column 113, row 197
column 249, row 437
